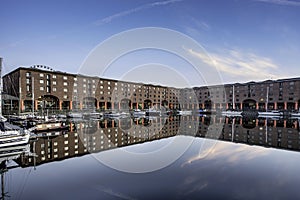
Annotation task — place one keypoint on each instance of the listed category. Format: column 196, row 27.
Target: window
column 75, row 78
column 27, row 81
column 27, row 88
column 41, row 88
column 54, row 82
column 28, row 74
column 54, row 89
column 65, row 90
column 42, row 81
column 75, row 90
column 75, row 84
column 65, row 83
column 65, row 78
column 41, row 75
column 53, row 76
column 84, row 80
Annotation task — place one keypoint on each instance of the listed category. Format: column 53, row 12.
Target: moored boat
column 270, row 113
column 11, row 135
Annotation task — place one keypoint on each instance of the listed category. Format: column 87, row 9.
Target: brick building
column 40, row 88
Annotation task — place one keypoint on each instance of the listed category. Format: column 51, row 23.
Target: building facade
column 40, row 88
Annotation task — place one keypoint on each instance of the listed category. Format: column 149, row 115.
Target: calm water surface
column 218, row 158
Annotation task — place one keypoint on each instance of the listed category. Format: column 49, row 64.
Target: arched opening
column 280, row 105
column 147, row 104
column 164, row 103
column 249, row 104
column 125, row 104
column 89, row 103
column 290, row 106
column 207, row 104
column 249, row 123
column 48, row 102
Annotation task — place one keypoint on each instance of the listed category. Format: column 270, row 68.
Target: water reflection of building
column 277, row 133
column 95, row 136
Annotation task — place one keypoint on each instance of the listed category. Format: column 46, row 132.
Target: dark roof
column 9, row 97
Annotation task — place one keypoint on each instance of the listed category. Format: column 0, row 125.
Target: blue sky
column 243, row 39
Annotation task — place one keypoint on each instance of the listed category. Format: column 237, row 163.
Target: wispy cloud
column 282, row 2
column 134, row 10
column 228, row 152
column 239, row 65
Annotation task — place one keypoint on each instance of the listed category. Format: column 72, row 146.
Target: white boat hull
column 13, row 140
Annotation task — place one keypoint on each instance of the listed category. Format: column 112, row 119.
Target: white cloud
column 134, row 10
column 237, row 153
column 235, row 65
column 282, row 2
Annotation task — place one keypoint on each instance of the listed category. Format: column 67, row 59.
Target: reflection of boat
column 296, row 114
column 232, row 113
column 138, row 113
column 152, row 112
column 273, row 113
column 74, row 115
column 11, row 135
column 49, row 126
column 93, row 115
column 184, row 112
column 112, row 114
column 50, row 133
column 8, row 154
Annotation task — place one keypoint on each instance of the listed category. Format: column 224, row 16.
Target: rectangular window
column 75, row 79
column 41, row 88
column 65, row 83
column 42, row 81
column 27, row 81
column 75, row 84
column 53, row 76
column 28, row 74
column 65, row 78
column 65, row 90
column 54, row 89
column 54, row 82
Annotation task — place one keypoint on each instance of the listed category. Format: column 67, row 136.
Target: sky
column 200, row 42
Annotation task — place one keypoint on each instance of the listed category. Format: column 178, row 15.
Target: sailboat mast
column 233, row 98
column 1, row 86
column 32, row 94
column 267, row 100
